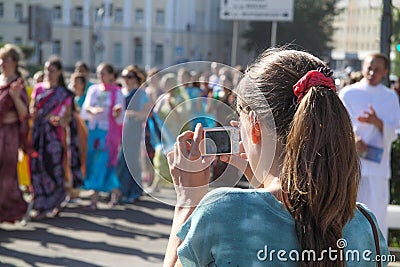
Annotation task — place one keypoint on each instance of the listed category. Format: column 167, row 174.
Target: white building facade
column 357, row 30
column 148, row 33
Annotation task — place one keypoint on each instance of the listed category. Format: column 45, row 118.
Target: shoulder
column 242, row 200
column 349, row 89
column 389, row 93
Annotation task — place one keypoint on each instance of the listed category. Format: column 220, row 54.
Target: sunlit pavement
column 125, row 235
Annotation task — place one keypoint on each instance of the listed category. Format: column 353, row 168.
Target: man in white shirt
column 375, row 113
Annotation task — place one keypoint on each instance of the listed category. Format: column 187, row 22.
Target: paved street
column 129, row 235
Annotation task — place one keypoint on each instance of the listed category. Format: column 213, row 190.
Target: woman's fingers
column 197, row 138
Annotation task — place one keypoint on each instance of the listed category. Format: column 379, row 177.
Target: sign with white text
column 263, row 10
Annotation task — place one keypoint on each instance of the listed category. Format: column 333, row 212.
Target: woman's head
column 168, row 82
column 78, row 84
column 10, row 56
column 53, row 72
column 133, row 76
column 320, row 171
column 105, row 73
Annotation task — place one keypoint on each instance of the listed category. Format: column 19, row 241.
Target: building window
column 78, row 16
column 160, row 17
column 1, row 9
column 139, row 16
column 118, row 53
column 77, row 50
column 138, row 53
column 99, row 13
column 18, row 40
column 159, row 55
column 119, row 15
column 18, row 13
column 57, row 14
column 56, row 47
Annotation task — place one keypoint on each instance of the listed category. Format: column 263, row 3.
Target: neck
column 272, row 178
column 9, row 77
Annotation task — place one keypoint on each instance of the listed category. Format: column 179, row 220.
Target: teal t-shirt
column 236, row 227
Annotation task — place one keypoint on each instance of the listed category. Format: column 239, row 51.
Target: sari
column 47, row 169
column 12, row 136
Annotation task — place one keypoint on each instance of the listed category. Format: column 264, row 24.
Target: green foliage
column 394, row 238
column 395, row 177
column 311, row 28
column 396, row 39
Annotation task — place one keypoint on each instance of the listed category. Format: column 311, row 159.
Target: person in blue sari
column 138, row 107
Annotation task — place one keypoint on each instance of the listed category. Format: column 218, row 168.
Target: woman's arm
column 15, row 93
column 190, row 174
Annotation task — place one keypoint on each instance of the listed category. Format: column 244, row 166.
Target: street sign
column 264, row 10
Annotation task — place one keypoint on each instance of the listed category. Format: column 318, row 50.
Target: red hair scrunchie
column 319, row 77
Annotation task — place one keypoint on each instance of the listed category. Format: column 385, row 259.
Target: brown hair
column 380, row 56
column 320, row 169
column 15, row 53
column 140, row 74
column 57, row 63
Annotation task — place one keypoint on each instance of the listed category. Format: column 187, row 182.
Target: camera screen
column 218, row 142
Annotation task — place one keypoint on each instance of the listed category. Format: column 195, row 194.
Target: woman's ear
column 255, row 131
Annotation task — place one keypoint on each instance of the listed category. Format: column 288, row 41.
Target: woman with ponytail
column 298, row 151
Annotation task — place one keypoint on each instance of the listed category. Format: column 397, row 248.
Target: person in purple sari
column 13, row 133
column 54, row 136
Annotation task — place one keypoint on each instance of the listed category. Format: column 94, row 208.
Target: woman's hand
column 116, row 111
column 16, row 89
column 241, row 162
column 189, row 170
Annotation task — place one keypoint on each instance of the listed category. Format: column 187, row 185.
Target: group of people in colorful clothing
column 72, row 133
column 73, row 141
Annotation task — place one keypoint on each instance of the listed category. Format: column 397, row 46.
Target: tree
column 311, row 28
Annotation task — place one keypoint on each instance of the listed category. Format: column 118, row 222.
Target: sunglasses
column 129, row 76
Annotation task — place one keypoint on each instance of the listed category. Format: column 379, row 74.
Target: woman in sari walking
column 13, row 133
column 54, row 136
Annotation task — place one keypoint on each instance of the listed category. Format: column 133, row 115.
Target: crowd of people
column 80, row 132
column 307, row 146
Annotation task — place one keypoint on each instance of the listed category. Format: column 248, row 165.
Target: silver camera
column 221, row 140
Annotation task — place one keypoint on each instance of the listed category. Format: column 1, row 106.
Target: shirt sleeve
column 391, row 123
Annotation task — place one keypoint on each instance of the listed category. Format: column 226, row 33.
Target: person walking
column 375, row 114
column 54, row 137
column 13, row 133
column 102, row 109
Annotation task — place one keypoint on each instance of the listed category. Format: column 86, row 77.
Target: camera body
column 221, row 140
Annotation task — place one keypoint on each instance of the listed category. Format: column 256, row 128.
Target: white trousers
column 374, row 192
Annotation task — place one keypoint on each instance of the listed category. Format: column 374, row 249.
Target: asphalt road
column 125, row 235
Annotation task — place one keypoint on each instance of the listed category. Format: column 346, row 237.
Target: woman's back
column 252, row 228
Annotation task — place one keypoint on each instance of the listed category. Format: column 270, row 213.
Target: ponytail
column 321, row 171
